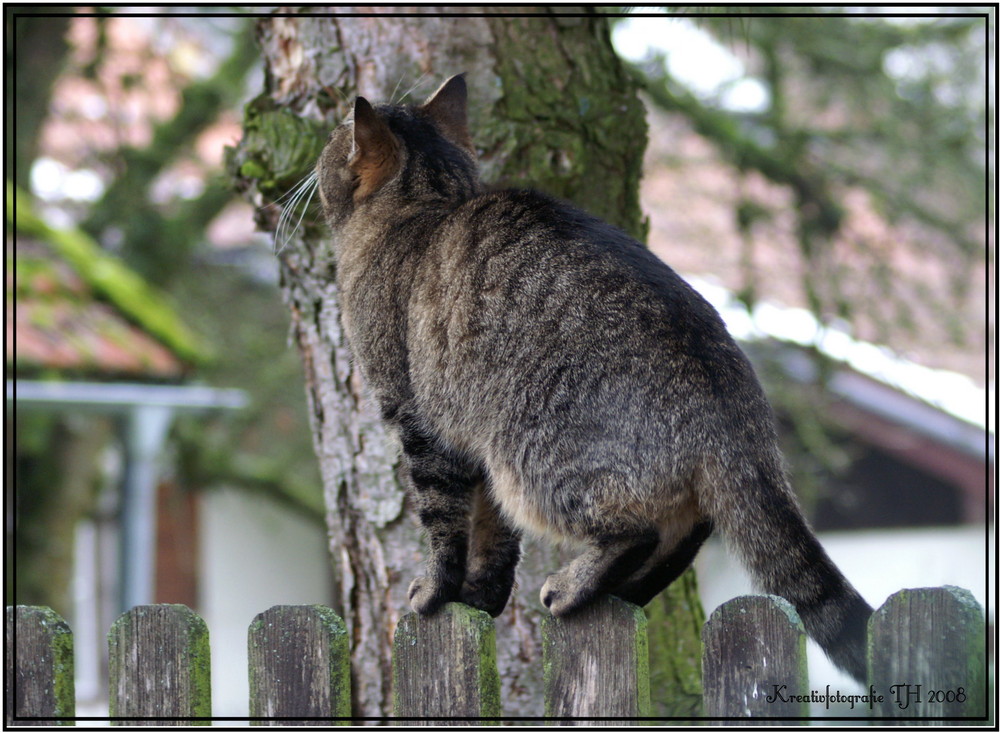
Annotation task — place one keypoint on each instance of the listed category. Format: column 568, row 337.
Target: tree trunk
column 550, row 107
column 35, row 48
column 58, row 473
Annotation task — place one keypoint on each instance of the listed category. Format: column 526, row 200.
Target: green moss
column 477, row 623
column 641, row 656
column 481, row 624
column 558, row 657
column 196, row 647
column 470, row 622
column 252, row 169
column 199, row 653
column 278, row 148
column 548, row 664
column 111, row 279
column 286, row 617
column 955, row 614
column 340, row 662
column 802, row 672
column 62, row 660
column 568, row 120
column 675, row 619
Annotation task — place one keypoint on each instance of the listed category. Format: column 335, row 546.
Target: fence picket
column 754, row 659
column 926, row 655
column 445, row 666
column 926, row 658
column 160, row 671
column 40, row 685
column 300, row 666
column 596, row 662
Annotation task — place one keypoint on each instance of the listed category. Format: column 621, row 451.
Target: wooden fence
column 926, row 660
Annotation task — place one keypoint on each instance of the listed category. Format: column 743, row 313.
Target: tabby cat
column 546, row 373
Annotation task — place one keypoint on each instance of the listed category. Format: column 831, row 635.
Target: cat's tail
column 762, row 522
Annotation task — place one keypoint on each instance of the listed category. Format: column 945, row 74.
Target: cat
column 546, row 373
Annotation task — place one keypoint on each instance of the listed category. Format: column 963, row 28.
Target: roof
column 906, row 388
column 73, row 308
column 53, row 323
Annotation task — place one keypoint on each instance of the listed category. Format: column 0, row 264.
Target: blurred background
column 824, row 181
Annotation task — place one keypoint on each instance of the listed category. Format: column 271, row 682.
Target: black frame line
column 10, row 413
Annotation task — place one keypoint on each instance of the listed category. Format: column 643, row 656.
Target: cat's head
column 391, row 156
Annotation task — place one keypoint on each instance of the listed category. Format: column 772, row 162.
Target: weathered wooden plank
column 927, row 655
column 300, row 666
column 596, row 663
column 38, row 683
column 444, row 667
column 754, row 661
column 160, row 668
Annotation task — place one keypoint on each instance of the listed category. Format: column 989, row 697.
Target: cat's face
column 392, row 155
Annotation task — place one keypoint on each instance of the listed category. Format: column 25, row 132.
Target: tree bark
column 550, row 107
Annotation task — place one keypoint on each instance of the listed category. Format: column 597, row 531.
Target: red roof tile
column 53, row 321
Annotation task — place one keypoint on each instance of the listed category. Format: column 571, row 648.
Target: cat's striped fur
column 547, row 374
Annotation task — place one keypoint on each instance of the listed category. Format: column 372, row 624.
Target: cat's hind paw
column 427, row 596
column 561, row 596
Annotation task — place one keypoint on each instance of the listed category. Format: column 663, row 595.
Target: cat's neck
column 375, row 231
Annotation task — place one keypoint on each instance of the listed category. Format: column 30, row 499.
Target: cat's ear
column 447, row 108
column 376, row 151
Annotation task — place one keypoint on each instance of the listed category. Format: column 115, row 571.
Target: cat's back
column 519, row 285
column 521, row 234
column 531, row 255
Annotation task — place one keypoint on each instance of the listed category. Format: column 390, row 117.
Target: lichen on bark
column 568, row 120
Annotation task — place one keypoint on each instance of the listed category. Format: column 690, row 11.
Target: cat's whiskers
column 291, row 190
column 305, row 210
column 281, row 239
column 340, row 93
column 410, row 90
column 282, row 234
column 286, row 209
column 392, row 97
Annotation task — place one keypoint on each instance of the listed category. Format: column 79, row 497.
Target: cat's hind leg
column 441, row 487
column 607, row 560
column 652, row 580
column 493, row 555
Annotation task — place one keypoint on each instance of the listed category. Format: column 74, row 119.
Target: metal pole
column 145, row 431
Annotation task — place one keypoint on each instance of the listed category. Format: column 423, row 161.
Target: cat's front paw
column 427, row 596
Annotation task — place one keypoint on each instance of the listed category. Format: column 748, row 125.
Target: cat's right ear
column 448, row 107
column 376, row 151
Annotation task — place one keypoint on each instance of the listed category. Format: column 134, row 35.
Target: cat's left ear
column 448, row 109
column 375, row 157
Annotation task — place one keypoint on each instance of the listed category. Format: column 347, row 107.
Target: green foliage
column 159, row 240
column 894, row 108
column 58, row 481
column 264, row 448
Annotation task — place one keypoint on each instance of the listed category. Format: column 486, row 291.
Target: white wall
column 254, row 554
column 878, row 563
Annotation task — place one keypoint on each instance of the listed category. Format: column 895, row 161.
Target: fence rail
column 927, row 660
